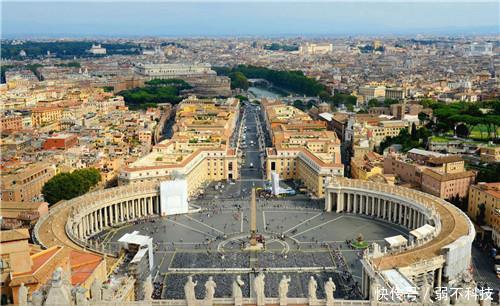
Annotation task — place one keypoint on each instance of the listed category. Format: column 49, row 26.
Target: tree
column 487, row 174
column 389, row 102
column 423, row 117
column 294, row 81
column 155, row 91
column 241, row 98
column 417, row 139
column 66, row 186
column 90, row 176
column 373, row 103
column 414, row 134
column 239, row 80
column 299, row 104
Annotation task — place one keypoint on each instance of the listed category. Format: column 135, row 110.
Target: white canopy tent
column 395, row 241
column 423, row 232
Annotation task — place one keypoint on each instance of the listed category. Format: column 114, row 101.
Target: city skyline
column 249, row 152
column 219, row 19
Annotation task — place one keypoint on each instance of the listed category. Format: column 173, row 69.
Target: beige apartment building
column 26, row 183
column 441, row 175
column 396, row 93
column 489, row 195
column 198, row 151
column 42, row 116
column 388, row 128
column 303, row 149
column 490, row 154
column 370, row 91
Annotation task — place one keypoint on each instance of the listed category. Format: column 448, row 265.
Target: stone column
column 95, row 228
column 89, row 223
column 440, row 272
column 379, row 211
column 84, row 221
column 328, row 200
column 364, row 289
column 84, row 230
column 140, row 207
column 349, row 204
column 101, row 219
column 80, row 230
column 96, row 221
column 105, row 213
column 150, row 205
column 110, row 214
column 117, row 212
column 390, row 211
column 341, row 204
column 141, row 203
column 112, row 211
column 407, row 216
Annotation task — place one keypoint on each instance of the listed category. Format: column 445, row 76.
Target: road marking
column 264, row 220
column 191, row 228
column 315, row 216
column 241, row 219
column 213, row 228
column 314, row 227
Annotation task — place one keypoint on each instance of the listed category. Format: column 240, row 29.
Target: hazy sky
column 238, row 18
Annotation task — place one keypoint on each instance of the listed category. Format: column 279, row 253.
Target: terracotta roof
column 444, row 177
column 83, row 264
column 44, row 263
column 15, row 234
column 445, row 159
column 492, row 189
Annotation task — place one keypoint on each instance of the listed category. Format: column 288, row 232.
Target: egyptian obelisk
column 253, row 219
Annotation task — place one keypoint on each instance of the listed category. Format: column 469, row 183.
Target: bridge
column 254, row 82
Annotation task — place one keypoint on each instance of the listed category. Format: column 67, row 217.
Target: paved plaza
column 300, row 241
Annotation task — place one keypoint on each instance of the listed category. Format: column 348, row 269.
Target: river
column 260, row 92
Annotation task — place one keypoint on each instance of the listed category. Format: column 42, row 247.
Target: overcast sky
column 238, row 18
